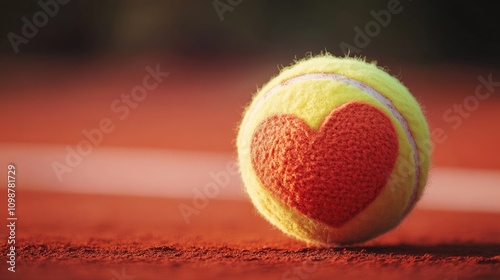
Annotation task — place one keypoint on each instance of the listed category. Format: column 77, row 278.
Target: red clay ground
column 95, row 237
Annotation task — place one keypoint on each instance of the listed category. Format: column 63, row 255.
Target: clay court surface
column 116, row 215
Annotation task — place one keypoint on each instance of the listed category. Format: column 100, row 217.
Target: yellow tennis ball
column 334, row 150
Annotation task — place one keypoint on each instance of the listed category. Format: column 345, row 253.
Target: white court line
column 463, row 189
column 107, row 170
column 167, row 173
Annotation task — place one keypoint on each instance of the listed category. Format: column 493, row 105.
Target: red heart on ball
column 332, row 174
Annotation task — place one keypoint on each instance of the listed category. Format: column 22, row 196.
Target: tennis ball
column 334, row 150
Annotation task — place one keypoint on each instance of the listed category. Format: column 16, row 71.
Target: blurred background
column 421, row 31
column 70, row 69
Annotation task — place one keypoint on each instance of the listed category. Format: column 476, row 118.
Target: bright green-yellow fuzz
column 334, row 151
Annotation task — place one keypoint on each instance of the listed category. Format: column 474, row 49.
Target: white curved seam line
column 368, row 90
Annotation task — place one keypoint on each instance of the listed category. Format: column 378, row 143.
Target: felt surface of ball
column 334, row 150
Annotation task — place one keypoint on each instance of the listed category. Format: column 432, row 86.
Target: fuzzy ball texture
column 334, row 150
